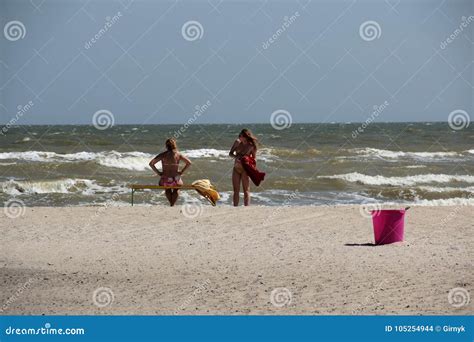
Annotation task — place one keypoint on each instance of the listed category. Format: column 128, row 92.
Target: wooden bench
column 135, row 187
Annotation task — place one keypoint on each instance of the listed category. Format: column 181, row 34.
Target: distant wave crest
column 356, row 177
column 134, row 161
column 375, row 152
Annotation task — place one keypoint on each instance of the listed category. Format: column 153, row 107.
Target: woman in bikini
column 170, row 174
column 245, row 145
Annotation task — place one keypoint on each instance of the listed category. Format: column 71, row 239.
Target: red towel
column 250, row 166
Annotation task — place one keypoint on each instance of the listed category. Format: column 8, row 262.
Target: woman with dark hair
column 170, row 174
column 245, row 145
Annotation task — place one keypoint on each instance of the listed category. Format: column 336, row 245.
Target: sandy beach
column 257, row 260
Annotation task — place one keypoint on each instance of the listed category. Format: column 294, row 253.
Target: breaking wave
column 375, row 152
column 356, row 177
column 63, row 186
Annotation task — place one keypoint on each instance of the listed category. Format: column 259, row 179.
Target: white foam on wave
column 415, row 166
column 42, row 156
column 134, row 161
column 206, row 153
column 375, row 152
column 445, row 202
column 29, row 156
column 263, row 154
column 62, row 186
column 469, row 189
column 356, row 177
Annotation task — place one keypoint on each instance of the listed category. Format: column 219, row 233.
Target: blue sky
column 321, row 66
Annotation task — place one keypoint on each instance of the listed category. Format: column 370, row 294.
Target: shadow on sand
column 368, row 244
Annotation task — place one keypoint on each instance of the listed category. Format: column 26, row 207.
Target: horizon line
column 229, row 123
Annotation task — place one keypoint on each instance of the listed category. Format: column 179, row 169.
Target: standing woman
column 245, row 145
column 170, row 174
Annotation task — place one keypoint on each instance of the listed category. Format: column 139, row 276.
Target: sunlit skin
column 241, row 147
column 170, row 161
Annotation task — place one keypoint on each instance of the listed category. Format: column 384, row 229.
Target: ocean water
column 306, row 164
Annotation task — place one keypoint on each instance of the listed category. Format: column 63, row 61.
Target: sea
column 306, row 164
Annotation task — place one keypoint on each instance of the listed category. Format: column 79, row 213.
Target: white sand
column 229, row 260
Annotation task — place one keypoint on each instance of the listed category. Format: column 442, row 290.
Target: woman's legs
column 169, row 195
column 236, row 186
column 246, row 187
column 174, row 197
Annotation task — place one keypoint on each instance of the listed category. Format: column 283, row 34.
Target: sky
column 160, row 62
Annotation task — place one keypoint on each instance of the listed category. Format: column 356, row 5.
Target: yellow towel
column 207, row 190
